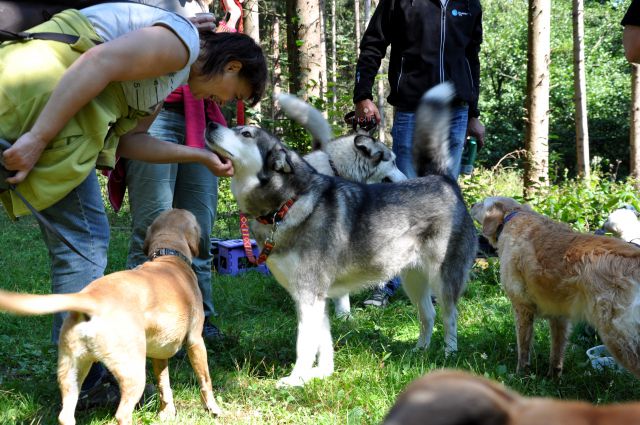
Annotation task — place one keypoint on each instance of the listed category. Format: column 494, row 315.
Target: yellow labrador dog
column 454, row 397
column 549, row 270
column 122, row 318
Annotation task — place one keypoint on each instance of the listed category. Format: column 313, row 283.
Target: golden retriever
column 458, row 398
column 124, row 317
column 549, row 270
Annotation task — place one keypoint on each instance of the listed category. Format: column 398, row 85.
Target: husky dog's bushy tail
column 431, row 136
column 308, row 117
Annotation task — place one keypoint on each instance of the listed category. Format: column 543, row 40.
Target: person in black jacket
column 631, row 33
column 432, row 41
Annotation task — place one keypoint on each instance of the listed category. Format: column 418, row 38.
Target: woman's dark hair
column 218, row 49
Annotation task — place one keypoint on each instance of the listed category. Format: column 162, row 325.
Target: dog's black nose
column 212, row 126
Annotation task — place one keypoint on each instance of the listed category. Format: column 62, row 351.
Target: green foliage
column 584, row 204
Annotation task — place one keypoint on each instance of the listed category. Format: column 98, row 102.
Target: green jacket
column 29, row 72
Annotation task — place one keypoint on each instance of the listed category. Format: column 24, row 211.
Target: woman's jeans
column 154, row 188
column 80, row 217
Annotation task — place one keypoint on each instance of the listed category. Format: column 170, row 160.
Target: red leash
column 274, row 219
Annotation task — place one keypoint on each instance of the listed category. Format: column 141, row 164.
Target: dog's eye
column 246, row 133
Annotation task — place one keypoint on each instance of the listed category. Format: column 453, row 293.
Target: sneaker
column 211, row 334
column 379, row 299
column 106, row 394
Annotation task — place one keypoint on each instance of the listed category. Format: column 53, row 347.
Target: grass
column 374, row 351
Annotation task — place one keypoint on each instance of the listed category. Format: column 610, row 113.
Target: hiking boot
column 379, row 298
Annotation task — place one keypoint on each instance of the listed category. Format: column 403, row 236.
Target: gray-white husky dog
column 358, row 157
column 332, row 236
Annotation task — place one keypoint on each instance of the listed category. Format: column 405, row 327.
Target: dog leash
column 4, row 173
column 274, row 219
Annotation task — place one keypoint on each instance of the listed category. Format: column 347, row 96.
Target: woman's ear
column 233, row 66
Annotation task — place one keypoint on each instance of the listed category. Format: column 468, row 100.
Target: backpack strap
column 53, row 36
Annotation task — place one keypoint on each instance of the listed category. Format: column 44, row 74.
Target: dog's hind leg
column 71, row 374
column 416, row 286
column 524, row 316
column 559, row 328
column 161, row 372
column 198, row 357
column 314, row 338
column 130, row 374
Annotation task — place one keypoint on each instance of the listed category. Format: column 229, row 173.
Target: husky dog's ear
column 280, row 162
column 366, row 145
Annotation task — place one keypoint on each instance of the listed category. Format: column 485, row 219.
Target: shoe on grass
column 379, row 298
column 106, row 394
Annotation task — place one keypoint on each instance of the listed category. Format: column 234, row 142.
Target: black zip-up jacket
column 429, row 44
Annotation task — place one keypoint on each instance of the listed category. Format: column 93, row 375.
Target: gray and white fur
column 358, row 157
column 340, row 236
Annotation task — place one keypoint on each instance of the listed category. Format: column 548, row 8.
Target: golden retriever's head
column 491, row 211
column 175, row 229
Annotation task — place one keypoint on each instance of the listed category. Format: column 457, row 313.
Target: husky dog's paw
column 290, row 381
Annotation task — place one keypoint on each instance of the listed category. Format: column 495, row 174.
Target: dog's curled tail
column 32, row 304
column 308, row 117
column 431, row 137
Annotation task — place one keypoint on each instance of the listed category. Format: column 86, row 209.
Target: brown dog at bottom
column 124, row 317
column 451, row 397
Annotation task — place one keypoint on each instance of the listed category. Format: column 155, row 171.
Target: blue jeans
column 80, row 217
column 154, row 188
column 402, row 133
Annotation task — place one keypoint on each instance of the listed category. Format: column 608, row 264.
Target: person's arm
column 139, row 145
column 121, row 59
column 373, row 48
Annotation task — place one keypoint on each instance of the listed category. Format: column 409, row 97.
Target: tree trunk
column 276, row 75
column 252, row 28
column 307, row 38
column 293, row 53
column 356, row 17
column 536, row 172
column 580, row 90
column 334, row 55
column 634, row 137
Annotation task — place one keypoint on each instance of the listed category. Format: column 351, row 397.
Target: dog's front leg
column 314, row 340
column 161, row 372
column 524, row 316
column 198, row 357
column 559, row 328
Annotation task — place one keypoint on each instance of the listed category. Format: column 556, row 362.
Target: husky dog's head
column 372, row 161
column 267, row 173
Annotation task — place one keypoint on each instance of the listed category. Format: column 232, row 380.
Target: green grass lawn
column 374, row 351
